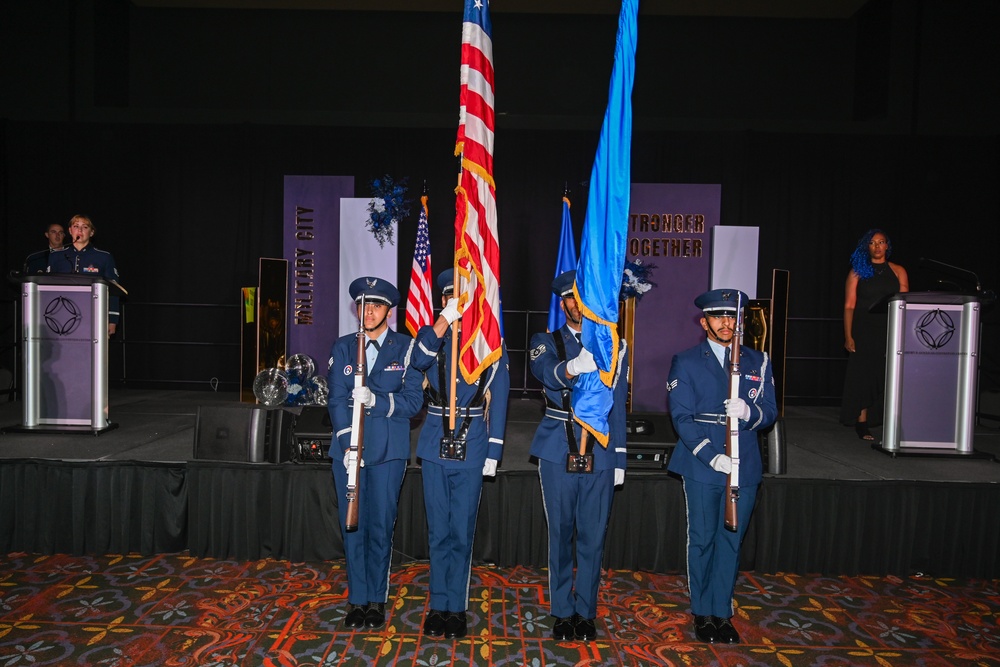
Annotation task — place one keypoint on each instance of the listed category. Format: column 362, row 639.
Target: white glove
column 450, row 310
column 722, row 463
column 490, row 468
column 619, row 476
column 349, row 457
column 583, row 363
column 737, row 408
column 364, row 396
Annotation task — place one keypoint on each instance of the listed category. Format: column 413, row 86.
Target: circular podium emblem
column 62, row 316
column 935, row 329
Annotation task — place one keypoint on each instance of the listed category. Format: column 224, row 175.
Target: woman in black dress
column 871, row 278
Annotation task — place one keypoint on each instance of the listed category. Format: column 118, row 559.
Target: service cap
column 563, row 283
column 720, row 302
column 375, row 290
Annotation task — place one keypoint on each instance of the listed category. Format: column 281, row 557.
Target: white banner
column 734, row 259
column 360, row 255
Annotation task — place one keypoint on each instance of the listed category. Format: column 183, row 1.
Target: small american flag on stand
column 419, row 308
column 477, row 246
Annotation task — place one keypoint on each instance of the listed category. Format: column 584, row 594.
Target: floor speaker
column 313, row 435
column 244, row 433
column 773, row 451
column 650, row 439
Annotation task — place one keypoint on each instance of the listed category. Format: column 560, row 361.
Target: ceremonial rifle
column 357, row 431
column 733, row 423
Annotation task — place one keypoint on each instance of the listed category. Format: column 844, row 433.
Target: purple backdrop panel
column 312, row 248
column 670, row 227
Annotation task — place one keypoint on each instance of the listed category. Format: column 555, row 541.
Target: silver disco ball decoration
column 300, row 367
column 271, row 387
column 319, row 390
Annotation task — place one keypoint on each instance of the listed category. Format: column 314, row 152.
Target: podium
column 65, row 353
column 932, row 352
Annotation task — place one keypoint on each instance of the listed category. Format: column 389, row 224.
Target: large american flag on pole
column 477, row 248
column 419, row 307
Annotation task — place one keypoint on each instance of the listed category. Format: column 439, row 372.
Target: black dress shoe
column 455, row 625
column 564, row 628
column 434, row 623
column 375, row 616
column 585, row 629
column 355, row 616
column 704, row 629
column 727, row 633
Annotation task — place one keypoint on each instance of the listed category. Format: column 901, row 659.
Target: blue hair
column 860, row 259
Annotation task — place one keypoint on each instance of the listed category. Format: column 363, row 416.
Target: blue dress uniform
column 452, row 488
column 386, row 447
column 698, row 388
column 92, row 262
column 579, row 502
column 38, row 262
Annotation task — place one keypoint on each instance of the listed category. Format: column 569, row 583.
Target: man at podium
column 82, row 257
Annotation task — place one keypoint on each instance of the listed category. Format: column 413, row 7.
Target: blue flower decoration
column 636, row 280
column 388, row 205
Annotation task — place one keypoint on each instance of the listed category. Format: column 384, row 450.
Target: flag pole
column 453, row 385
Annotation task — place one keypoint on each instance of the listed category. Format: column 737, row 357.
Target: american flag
column 419, row 308
column 477, row 247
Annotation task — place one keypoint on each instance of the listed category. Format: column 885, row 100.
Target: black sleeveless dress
column 864, row 383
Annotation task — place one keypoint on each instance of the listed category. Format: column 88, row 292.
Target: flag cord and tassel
column 453, row 387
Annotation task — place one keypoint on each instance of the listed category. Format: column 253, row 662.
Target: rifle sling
column 565, row 393
column 440, row 397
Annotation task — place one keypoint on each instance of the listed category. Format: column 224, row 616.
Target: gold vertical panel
column 272, row 308
column 626, row 331
column 755, row 328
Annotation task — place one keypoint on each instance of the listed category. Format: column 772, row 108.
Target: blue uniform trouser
column 451, row 498
column 713, row 553
column 369, row 548
column 577, row 502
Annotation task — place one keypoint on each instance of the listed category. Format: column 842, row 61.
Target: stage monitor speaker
column 313, row 435
column 652, row 457
column 650, row 439
column 773, row 450
column 244, row 433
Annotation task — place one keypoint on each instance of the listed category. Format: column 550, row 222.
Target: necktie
column 371, row 353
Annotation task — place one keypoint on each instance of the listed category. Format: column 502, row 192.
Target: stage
column 841, row 507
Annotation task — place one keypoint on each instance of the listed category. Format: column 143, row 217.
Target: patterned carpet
column 177, row 610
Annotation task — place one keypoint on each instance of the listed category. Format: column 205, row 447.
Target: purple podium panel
column 932, row 353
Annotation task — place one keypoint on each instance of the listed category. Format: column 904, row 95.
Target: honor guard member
column 577, row 503
column 38, row 262
column 698, row 388
column 391, row 395
column 454, row 463
column 82, row 257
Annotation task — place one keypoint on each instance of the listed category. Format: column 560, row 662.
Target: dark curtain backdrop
column 172, row 126
column 187, row 211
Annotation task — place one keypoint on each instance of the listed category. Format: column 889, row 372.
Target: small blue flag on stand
column 566, row 261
